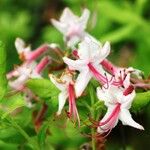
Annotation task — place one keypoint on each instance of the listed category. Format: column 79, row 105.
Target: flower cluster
column 87, row 60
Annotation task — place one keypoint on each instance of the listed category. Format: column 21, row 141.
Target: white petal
column 59, row 26
column 127, row 100
column 67, row 16
column 20, row 46
column 102, row 95
column 62, row 99
column 111, row 124
column 74, row 64
column 104, row 52
column 60, row 86
column 73, row 41
column 126, row 119
column 84, row 18
column 83, row 51
column 127, row 82
column 19, row 82
column 82, row 81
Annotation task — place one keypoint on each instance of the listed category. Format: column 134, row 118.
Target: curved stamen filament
column 97, row 75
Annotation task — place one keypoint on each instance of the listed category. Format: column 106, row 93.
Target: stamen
column 97, row 75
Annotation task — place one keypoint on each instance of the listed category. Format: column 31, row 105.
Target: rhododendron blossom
column 25, row 53
column 90, row 54
column 66, row 85
column 72, row 26
column 118, row 101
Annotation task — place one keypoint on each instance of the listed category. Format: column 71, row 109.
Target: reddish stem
column 39, row 117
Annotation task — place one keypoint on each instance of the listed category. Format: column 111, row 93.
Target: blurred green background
column 125, row 23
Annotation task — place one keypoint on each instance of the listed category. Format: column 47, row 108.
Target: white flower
column 66, row 85
column 118, row 102
column 90, row 54
column 72, row 26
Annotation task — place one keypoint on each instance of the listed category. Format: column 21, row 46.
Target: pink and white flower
column 72, row 26
column 66, row 86
column 25, row 52
column 25, row 72
column 118, row 101
column 90, row 54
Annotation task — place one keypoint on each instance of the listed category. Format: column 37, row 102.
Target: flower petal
column 111, row 124
column 74, row 64
column 126, row 119
column 104, row 52
column 84, row 18
column 68, row 16
column 59, row 26
column 128, row 100
column 20, row 46
column 62, row 99
column 73, row 41
column 60, row 86
column 19, row 82
column 82, row 81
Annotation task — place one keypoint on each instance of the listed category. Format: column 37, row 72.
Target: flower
column 26, row 71
column 119, row 73
column 90, row 54
column 66, row 85
column 118, row 100
column 72, row 26
column 25, row 53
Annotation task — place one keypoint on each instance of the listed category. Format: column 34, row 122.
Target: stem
column 91, row 91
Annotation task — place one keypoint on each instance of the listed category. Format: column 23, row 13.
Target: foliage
column 124, row 23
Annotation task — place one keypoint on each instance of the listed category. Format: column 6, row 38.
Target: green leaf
column 6, row 145
column 141, row 101
column 42, row 87
column 10, row 104
column 119, row 14
column 42, row 134
column 119, row 34
column 3, row 81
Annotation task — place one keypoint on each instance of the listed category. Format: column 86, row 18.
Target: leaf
column 119, row 34
column 119, row 14
column 42, row 134
column 3, row 81
column 7, row 145
column 42, row 87
column 10, row 104
column 141, row 101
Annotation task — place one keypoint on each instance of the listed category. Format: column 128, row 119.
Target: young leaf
column 141, row 100
column 3, row 81
column 42, row 87
column 10, row 104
